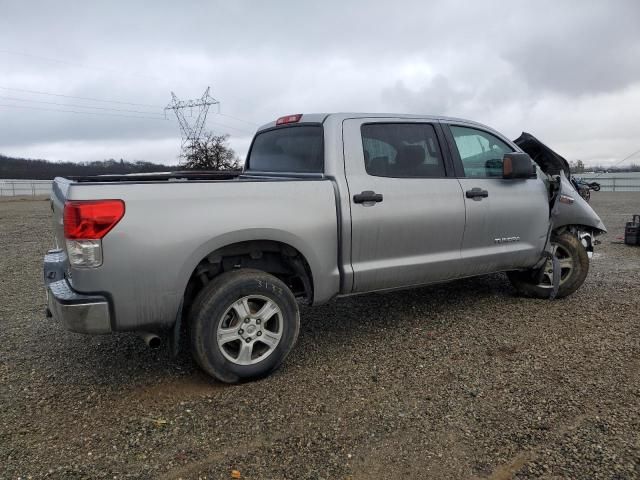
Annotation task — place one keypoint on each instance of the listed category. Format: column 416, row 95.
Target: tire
column 574, row 262
column 243, row 324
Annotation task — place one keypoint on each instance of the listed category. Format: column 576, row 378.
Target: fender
column 572, row 209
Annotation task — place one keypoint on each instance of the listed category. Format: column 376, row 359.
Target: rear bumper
column 77, row 312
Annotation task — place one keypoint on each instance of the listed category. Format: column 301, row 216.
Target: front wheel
column 243, row 325
column 574, row 264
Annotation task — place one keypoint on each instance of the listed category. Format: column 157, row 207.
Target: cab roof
column 321, row 117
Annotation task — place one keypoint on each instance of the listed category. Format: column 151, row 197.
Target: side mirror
column 518, row 165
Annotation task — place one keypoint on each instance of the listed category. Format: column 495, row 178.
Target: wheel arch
column 244, row 242
column 585, row 233
column 592, row 228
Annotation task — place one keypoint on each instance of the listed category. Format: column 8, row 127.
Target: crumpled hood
column 548, row 160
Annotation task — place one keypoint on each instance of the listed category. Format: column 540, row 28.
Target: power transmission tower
column 191, row 131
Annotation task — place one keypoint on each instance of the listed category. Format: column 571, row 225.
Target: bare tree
column 210, row 152
column 577, row 166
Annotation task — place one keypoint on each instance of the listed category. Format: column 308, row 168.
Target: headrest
column 410, row 156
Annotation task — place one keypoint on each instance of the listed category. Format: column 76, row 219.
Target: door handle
column 477, row 193
column 367, row 196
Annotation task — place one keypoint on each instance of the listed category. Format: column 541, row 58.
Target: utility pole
column 191, row 131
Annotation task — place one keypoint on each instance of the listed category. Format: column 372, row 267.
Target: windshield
column 288, row 149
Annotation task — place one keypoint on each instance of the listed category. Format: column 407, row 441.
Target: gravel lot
column 464, row 380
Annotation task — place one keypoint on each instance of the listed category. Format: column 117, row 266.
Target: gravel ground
column 463, row 380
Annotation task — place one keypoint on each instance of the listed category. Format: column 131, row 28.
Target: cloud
column 591, row 48
column 565, row 71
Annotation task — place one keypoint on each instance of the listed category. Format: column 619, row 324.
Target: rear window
column 288, row 149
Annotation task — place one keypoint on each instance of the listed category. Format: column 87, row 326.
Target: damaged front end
column 568, row 210
column 569, row 214
column 572, row 213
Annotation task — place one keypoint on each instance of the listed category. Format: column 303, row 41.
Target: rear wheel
column 574, row 265
column 243, row 325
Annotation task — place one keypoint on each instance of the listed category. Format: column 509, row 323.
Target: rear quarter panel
column 169, row 227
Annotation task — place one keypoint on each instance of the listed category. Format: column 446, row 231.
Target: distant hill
column 23, row 168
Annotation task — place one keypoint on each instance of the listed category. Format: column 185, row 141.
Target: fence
column 31, row 188
column 615, row 183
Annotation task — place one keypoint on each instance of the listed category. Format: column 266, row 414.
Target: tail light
column 91, row 219
column 86, row 222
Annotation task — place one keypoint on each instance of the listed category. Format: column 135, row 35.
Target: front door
column 507, row 220
column 407, row 215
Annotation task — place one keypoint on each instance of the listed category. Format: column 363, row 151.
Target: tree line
column 25, row 168
column 578, row 166
column 210, row 152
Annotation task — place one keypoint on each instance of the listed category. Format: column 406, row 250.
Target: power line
column 75, row 105
column 82, row 113
column 236, row 118
column 30, row 55
column 618, row 163
column 57, row 110
column 104, row 69
column 93, row 99
column 79, row 98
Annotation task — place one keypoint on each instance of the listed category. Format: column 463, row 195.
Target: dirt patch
column 25, row 198
column 187, row 388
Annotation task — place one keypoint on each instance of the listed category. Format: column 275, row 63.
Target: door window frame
column 447, row 160
column 458, row 165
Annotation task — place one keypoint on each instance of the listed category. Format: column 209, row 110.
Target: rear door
column 507, row 220
column 407, row 215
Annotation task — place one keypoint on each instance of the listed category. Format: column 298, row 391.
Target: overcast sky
column 566, row 71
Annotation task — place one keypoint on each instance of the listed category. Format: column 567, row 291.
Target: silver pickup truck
column 327, row 205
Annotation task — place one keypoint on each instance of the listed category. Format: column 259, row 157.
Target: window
column 288, row 149
column 481, row 153
column 402, row 150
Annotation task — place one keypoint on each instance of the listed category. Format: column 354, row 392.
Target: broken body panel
column 570, row 208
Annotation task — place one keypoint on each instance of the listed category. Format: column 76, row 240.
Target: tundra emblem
column 506, row 240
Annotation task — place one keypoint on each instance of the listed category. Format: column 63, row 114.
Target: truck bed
column 174, row 220
column 191, row 175
column 160, row 176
